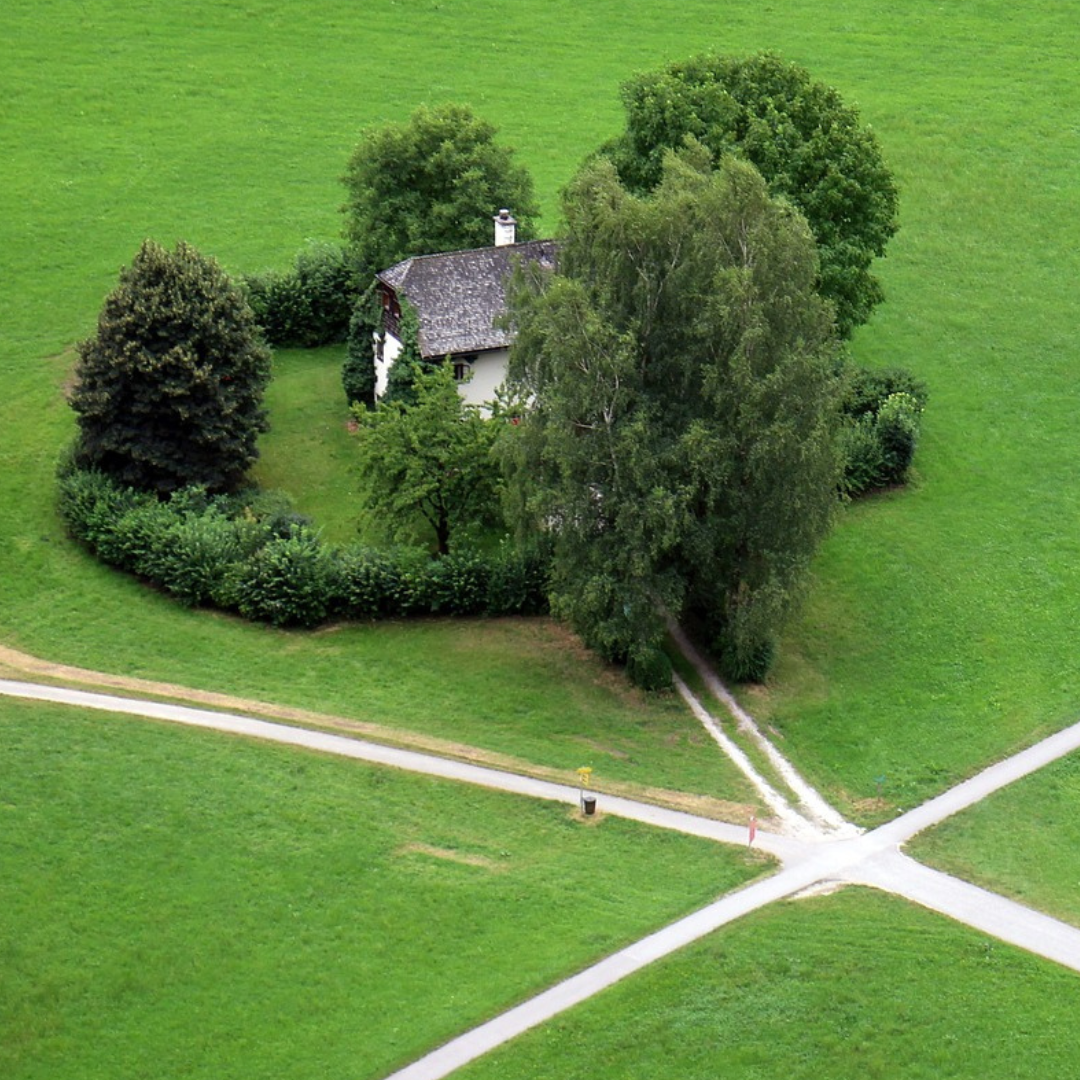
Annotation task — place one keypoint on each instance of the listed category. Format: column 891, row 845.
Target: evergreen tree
column 169, row 390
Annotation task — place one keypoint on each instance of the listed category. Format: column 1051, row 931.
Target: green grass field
column 856, row 985
column 939, row 630
column 174, row 903
column 1023, row 842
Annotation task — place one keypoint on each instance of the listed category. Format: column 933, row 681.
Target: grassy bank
column 177, row 903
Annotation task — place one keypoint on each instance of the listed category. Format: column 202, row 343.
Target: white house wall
column 488, row 373
column 390, row 351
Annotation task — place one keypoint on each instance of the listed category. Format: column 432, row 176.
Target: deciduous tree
column 810, row 147
column 429, row 458
column 679, row 439
column 431, row 184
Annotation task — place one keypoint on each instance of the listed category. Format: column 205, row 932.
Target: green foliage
column 681, row 443
column 810, row 147
column 169, row 390
column 91, row 503
column 431, row 184
column 369, row 583
column 358, row 370
column 519, row 580
column 402, row 376
column 309, row 305
column 866, row 389
column 460, row 583
column 430, row 459
column 749, row 663
column 649, row 667
column 251, row 553
column 882, row 410
column 290, row 581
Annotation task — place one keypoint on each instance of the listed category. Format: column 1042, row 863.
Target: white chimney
column 504, row 228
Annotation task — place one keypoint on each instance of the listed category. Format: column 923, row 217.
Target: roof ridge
column 467, row 251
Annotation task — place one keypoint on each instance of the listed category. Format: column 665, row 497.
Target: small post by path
column 587, row 805
column 752, row 829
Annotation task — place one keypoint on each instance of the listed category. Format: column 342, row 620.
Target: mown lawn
column 857, row 985
column 183, row 904
column 938, row 631
column 1024, row 841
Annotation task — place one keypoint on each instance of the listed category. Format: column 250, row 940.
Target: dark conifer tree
column 169, row 390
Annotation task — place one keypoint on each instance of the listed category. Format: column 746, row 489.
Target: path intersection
column 817, row 848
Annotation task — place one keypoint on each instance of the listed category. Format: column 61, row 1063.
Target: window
column 463, row 366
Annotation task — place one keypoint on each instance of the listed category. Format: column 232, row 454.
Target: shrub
column 310, row 304
column 138, row 539
column 897, row 425
column 746, row 662
column 412, row 584
column 518, row 582
column 369, row 583
column 881, row 413
column 291, row 581
column 249, row 552
column 91, row 502
column 868, row 388
column 862, row 456
column 649, row 668
column 198, row 557
column 358, row 370
column 458, row 584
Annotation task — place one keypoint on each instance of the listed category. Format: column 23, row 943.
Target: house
column 458, row 297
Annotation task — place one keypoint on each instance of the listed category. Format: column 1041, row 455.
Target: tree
column 810, row 147
column 681, row 438
column 431, row 184
column 430, row 458
column 169, row 390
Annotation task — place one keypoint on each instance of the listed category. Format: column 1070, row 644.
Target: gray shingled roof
column 459, row 294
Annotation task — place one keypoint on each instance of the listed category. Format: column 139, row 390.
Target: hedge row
column 251, row 554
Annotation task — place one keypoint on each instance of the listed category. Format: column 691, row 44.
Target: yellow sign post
column 584, row 774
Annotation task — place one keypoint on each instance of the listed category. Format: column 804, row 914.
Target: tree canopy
column 679, row 411
column 431, row 184
column 810, row 147
column 169, row 390
column 429, row 457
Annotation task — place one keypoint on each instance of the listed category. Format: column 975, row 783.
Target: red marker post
column 753, row 830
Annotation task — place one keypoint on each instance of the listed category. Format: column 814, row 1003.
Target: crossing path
column 840, row 855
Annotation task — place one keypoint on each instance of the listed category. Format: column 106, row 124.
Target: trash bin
column 588, row 804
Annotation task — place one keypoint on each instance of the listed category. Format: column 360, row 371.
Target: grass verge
column 1023, row 841
column 176, row 903
column 855, row 985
